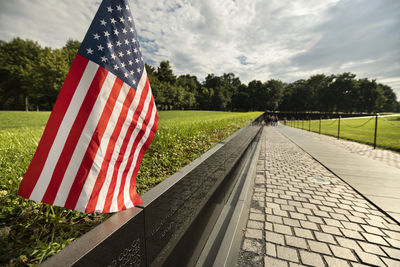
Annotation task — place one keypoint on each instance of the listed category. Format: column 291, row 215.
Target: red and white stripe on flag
column 101, row 125
column 93, row 143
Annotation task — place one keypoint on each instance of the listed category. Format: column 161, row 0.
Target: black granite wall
column 173, row 224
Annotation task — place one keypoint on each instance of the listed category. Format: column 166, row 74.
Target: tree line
column 31, row 77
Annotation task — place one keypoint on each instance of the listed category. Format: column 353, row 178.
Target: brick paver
column 385, row 156
column 296, row 222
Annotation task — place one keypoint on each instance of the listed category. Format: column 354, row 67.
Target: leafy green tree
column 299, row 95
column 372, row 95
column 343, row 90
column 390, row 102
column 232, row 83
column 49, row 76
column 192, row 88
column 31, row 77
column 172, row 93
column 189, row 100
column 18, row 60
column 222, row 88
column 189, row 82
column 71, row 49
column 165, row 74
column 318, row 88
column 205, row 97
column 274, row 90
column 155, row 86
column 241, row 101
column 285, row 104
column 257, row 95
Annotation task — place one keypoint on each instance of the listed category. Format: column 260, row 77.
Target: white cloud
column 255, row 39
column 49, row 22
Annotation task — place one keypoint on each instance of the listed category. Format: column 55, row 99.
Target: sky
column 254, row 39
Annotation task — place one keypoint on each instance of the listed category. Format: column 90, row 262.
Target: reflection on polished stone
column 119, row 241
column 168, row 217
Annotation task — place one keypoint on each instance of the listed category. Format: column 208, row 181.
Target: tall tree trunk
column 26, row 104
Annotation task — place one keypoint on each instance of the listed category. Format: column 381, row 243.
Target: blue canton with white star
column 112, row 43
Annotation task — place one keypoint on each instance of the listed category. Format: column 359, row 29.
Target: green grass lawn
column 30, row 232
column 361, row 130
column 22, row 119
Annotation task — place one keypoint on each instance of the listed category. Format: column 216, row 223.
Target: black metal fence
column 328, row 121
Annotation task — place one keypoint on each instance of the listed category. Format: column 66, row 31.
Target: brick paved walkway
column 385, row 156
column 295, row 222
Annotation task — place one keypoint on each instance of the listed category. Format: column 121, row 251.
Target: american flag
column 101, row 125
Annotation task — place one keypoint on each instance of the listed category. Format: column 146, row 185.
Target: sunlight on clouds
column 285, row 40
column 51, row 23
column 353, row 64
column 211, row 35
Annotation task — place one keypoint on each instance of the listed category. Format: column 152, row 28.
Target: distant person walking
column 271, row 120
column 268, row 120
column 275, row 120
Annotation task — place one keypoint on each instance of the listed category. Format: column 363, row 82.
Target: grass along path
column 360, row 130
column 30, row 231
column 23, row 119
